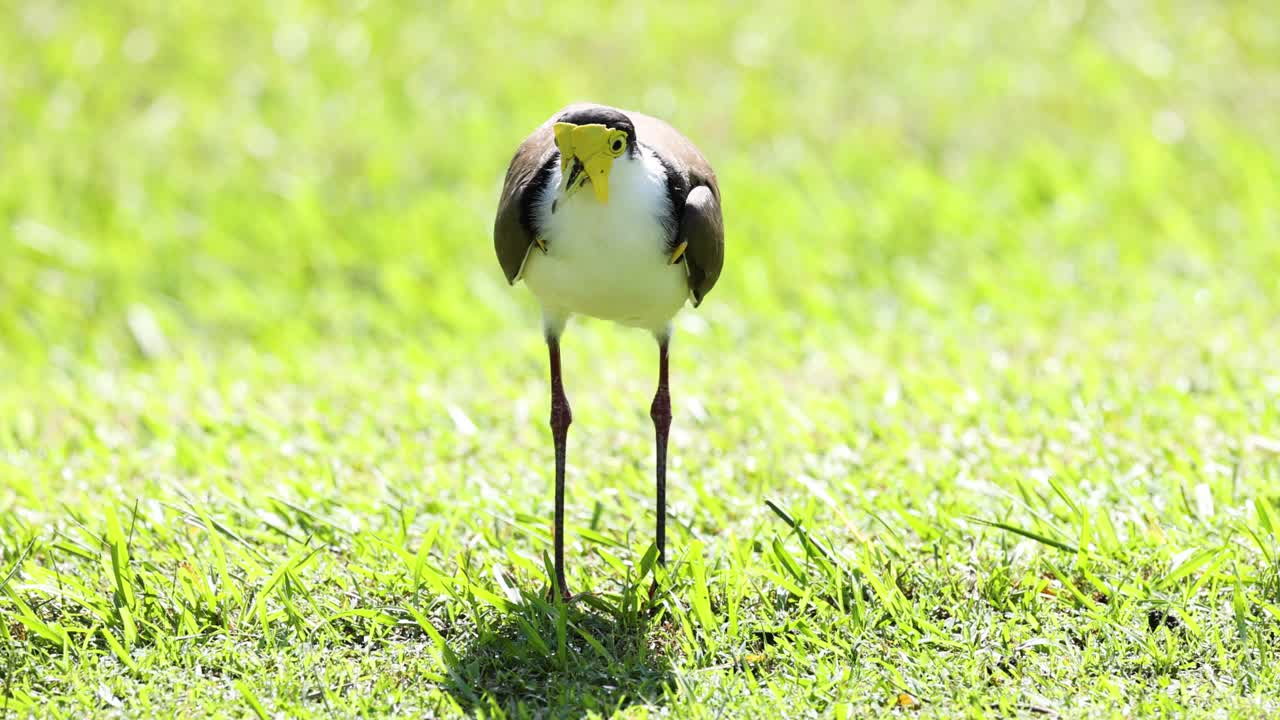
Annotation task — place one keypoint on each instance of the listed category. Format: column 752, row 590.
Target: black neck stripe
column 677, row 191
column 533, row 193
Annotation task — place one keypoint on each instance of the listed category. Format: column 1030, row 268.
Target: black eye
column 617, row 145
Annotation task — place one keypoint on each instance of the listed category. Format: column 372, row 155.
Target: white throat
column 608, row 260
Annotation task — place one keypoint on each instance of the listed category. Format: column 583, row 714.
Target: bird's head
column 589, row 141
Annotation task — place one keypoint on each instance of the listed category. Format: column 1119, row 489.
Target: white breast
column 609, row 261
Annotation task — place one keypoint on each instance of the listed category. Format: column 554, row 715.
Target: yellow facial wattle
column 594, row 147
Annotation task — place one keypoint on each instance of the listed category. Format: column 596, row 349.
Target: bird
column 647, row 238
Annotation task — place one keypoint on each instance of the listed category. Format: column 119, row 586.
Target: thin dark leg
column 560, row 419
column 660, row 411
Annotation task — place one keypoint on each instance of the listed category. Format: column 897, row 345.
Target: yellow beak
column 587, row 153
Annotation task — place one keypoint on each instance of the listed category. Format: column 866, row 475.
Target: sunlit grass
column 981, row 419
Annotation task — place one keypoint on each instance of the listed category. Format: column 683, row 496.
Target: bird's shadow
column 541, row 659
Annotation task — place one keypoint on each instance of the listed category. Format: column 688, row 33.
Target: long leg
column 560, row 419
column 660, row 411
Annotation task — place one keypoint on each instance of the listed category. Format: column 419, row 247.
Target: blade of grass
column 1066, row 547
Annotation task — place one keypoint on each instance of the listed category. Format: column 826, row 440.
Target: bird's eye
column 617, row 142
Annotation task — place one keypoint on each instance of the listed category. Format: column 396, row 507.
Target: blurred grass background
column 246, row 264
column 321, row 173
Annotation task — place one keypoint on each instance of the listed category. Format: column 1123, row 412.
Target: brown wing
column 512, row 228
column 702, row 227
column 701, row 223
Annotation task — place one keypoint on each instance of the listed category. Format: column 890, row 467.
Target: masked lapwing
column 644, row 239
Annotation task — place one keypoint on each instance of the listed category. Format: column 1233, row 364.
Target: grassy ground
column 982, row 418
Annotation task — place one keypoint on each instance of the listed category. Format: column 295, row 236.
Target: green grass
column 983, row 414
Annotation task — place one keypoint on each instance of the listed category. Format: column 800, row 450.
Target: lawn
column 982, row 419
